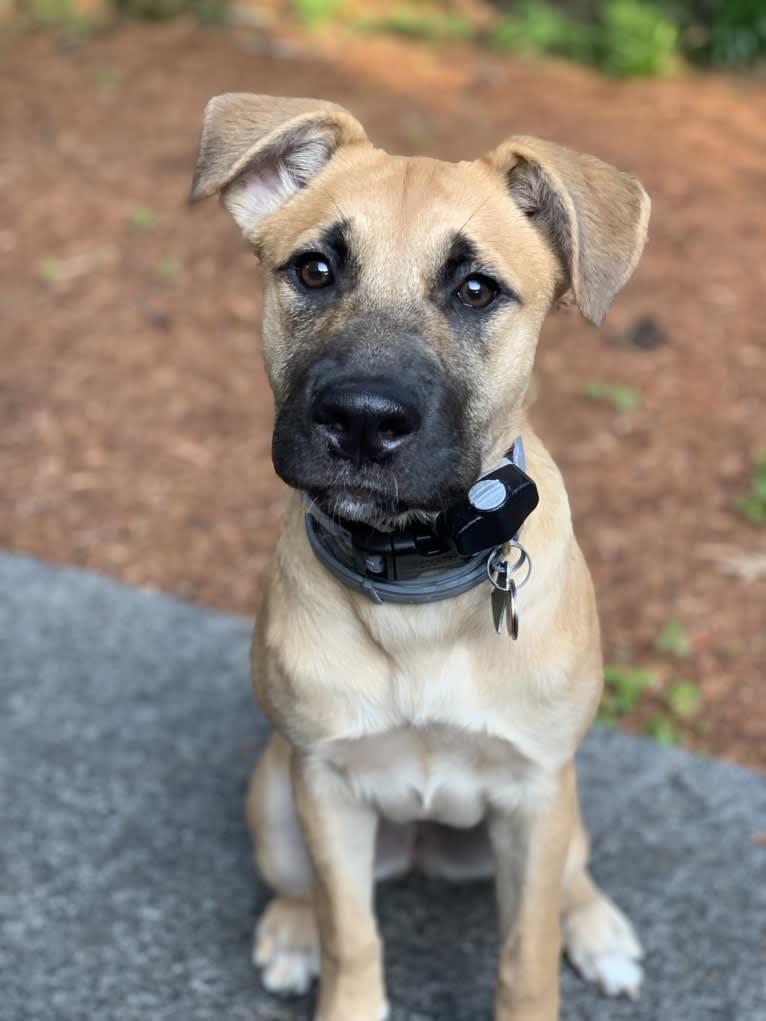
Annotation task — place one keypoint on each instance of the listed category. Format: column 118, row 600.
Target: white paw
column 601, row 944
column 286, row 947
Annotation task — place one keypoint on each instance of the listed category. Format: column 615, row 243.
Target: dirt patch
column 134, row 415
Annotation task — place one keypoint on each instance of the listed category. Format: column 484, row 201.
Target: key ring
column 497, row 564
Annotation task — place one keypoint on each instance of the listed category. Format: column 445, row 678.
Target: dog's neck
column 428, row 561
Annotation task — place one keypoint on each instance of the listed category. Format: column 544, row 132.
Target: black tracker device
column 490, row 514
column 493, row 511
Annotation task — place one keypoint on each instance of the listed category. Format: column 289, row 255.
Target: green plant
column 663, row 729
column 752, row 505
column 722, row 32
column 109, row 77
column 61, row 14
column 635, row 39
column 621, row 396
column 167, row 269
column 50, row 11
column 316, row 13
column 50, row 269
column 684, row 699
column 212, row 12
column 623, row 687
column 536, row 27
column 143, row 218
column 431, row 26
column 673, row 638
column 153, row 10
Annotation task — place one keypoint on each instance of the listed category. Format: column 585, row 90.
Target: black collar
column 422, row 563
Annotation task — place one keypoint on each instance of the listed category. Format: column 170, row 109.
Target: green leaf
column 752, row 508
column 673, row 638
column 143, row 218
column 606, row 716
column 50, row 269
column 752, row 505
column 663, row 730
column 430, row 26
column 624, row 686
column 167, row 269
column 621, row 396
column 636, row 38
column 109, row 77
column 316, row 13
column 684, row 698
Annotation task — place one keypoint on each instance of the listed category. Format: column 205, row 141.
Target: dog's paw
column 601, row 944
column 286, row 947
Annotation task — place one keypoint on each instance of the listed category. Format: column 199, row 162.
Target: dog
column 403, row 298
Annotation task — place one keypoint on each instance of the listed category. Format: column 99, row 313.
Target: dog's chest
column 429, row 752
column 438, row 773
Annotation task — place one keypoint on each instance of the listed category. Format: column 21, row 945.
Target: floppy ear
column 257, row 151
column 594, row 216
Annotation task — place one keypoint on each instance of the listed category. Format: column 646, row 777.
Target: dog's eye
column 314, row 271
column 477, row 291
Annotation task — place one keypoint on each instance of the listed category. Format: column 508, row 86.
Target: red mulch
column 134, row 415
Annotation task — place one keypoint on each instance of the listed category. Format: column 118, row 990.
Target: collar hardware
column 421, row 564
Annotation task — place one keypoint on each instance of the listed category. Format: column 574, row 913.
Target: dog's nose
column 364, row 422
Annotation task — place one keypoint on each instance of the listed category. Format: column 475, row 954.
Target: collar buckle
column 420, row 564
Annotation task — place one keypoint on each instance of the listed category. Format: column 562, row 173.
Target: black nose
column 364, row 421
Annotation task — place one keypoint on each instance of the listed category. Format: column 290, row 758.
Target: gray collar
column 433, row 574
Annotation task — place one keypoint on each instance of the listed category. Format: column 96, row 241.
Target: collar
column 422, row 563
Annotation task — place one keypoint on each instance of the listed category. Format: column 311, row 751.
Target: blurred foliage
column 637, row 37
column 624, row 38
column 752, row 505
column 674, row 639
column 627, row 687
column 621, row 396
column 634, row 39
column 316, row 13
column 418, row 22
column 143, row 218
column 50, row 269
column 623, row 687
column 167, row 269
column 211, row 12
column 729, row 33
column 537, row 27
column 664, row 730
column 684, row 699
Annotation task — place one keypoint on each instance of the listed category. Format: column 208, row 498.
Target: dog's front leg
column 339, row 831
column 530, row 844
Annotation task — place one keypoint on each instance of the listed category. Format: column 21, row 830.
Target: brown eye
column 314, row 271
column 477, row 291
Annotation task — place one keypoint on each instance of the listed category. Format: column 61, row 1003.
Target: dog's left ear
column 257, row 151
column 594, row 216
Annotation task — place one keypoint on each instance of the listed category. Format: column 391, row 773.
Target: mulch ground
column 134, row 414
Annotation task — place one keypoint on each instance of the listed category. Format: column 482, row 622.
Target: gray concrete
column 126, row 892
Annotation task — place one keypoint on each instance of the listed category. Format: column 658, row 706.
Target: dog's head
column 404, row 296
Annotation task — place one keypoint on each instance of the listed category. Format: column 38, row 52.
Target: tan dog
column 403, row 301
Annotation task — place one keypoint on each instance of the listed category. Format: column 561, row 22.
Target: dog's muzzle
column 365, row 422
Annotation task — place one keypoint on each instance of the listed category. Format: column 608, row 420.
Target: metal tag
column 500, row 597
column 512, row 610
column 504, row 598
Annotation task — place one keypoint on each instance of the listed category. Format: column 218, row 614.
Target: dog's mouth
column 363, row 504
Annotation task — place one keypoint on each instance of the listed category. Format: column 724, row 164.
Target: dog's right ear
column 257, row 151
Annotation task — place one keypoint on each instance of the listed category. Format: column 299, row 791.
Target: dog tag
column 500, row 598
column 512, row 611
column 505, row 602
